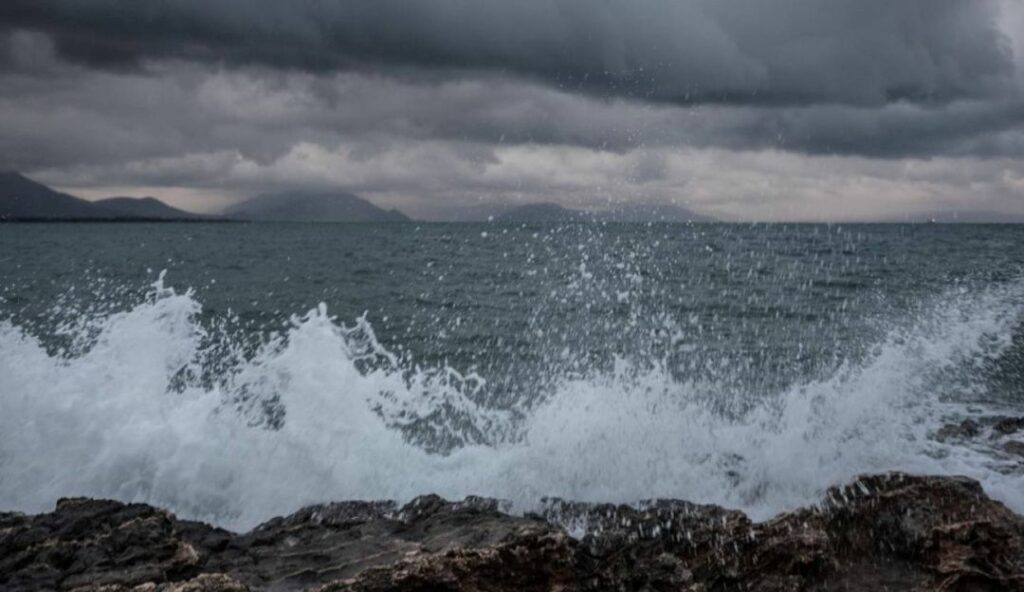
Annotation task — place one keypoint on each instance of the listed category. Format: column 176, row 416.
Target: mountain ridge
column 22, row 199
column 312, row 206
column 147, row 207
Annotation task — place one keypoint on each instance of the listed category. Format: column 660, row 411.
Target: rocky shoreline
column 880, row 532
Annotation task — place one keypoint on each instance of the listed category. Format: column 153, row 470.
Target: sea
column 235, row 372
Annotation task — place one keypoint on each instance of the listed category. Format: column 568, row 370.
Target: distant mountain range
column 23, row 199
column 305, row 206
column 549, row 212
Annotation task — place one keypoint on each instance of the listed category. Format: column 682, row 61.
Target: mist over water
column 276, row 366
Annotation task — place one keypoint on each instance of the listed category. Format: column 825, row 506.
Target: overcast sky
column 744, row 109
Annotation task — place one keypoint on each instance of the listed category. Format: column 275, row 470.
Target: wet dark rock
column 997, row 426
column 1014, row 447
column 968, row 428
column 1008, row 425
column 200, row 583
column 894, row 531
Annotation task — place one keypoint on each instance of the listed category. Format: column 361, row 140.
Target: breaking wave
column 153, row 405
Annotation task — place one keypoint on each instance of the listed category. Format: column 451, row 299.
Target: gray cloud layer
column 739, row 51
column 441, row 102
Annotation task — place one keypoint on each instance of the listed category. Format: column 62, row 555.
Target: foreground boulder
column 884, row 532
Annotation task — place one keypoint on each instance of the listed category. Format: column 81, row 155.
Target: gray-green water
column 748, row 365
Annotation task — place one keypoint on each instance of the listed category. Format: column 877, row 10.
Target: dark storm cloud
column 753, row 108
column 56, row 115
column 864, row 52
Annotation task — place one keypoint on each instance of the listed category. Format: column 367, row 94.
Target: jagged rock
column 337, row 541
column 968, row 428
column 98, row 543
column 1008, row 425
column 997, row 425
column 894, row 532
column 200, row 583
column 532, row 559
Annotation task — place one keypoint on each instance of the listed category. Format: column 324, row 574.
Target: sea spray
column 322, row 411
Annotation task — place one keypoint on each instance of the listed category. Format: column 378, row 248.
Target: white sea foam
column 117, row 420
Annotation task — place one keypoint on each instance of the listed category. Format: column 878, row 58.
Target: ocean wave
column 322, row 411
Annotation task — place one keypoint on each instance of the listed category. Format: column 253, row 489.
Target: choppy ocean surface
column 234, row 372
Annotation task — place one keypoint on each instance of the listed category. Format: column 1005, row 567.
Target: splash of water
column 324, row 412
